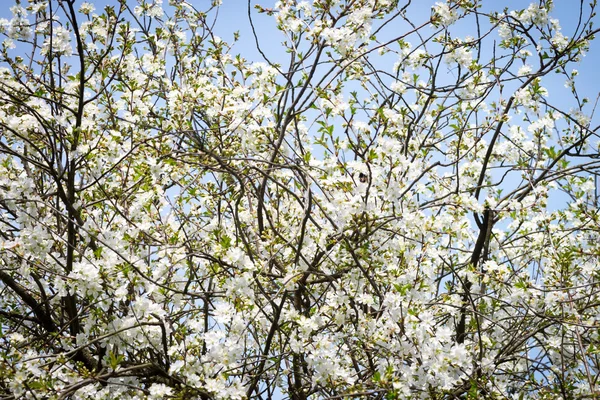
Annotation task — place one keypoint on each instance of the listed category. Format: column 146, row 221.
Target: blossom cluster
column 386, row 213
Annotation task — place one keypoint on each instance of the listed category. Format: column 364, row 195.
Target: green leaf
column 377, row 376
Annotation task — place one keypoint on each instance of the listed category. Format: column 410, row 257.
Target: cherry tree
column 398, row 204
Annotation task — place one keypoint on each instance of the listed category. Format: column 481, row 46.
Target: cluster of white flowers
column 475, row 87
column 360, row 21
column 19, row 27
column 151, row 8
column 534, row 14
column 524, row 70
column 460, row 55
column 581, row 117
column 446, row 15
column 505, row 31
column 560, row 41
column 342, row 39
column 86, row 8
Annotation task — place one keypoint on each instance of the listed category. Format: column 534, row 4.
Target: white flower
column 580, row 117
column 461, row 56
column 18, row 28
column 152, row 9
column 505, row 31
column 342, row 39
column 524, row 70
column 60, row 43
column 445, row 14
column 159, row 391
column 305, row 7
column 86, row 8
column 237, row 257
column 336, row 103
column 560, row 41
column 215, row 385
column 399, row 87
column 523, row 96
column 588, row 186
column 417, row 58
column 360, row 17
column 37, row 7
column 534, row 14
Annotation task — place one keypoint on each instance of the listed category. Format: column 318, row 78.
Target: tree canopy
column 400, row 204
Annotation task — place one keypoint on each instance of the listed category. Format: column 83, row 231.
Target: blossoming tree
column 390, row 208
